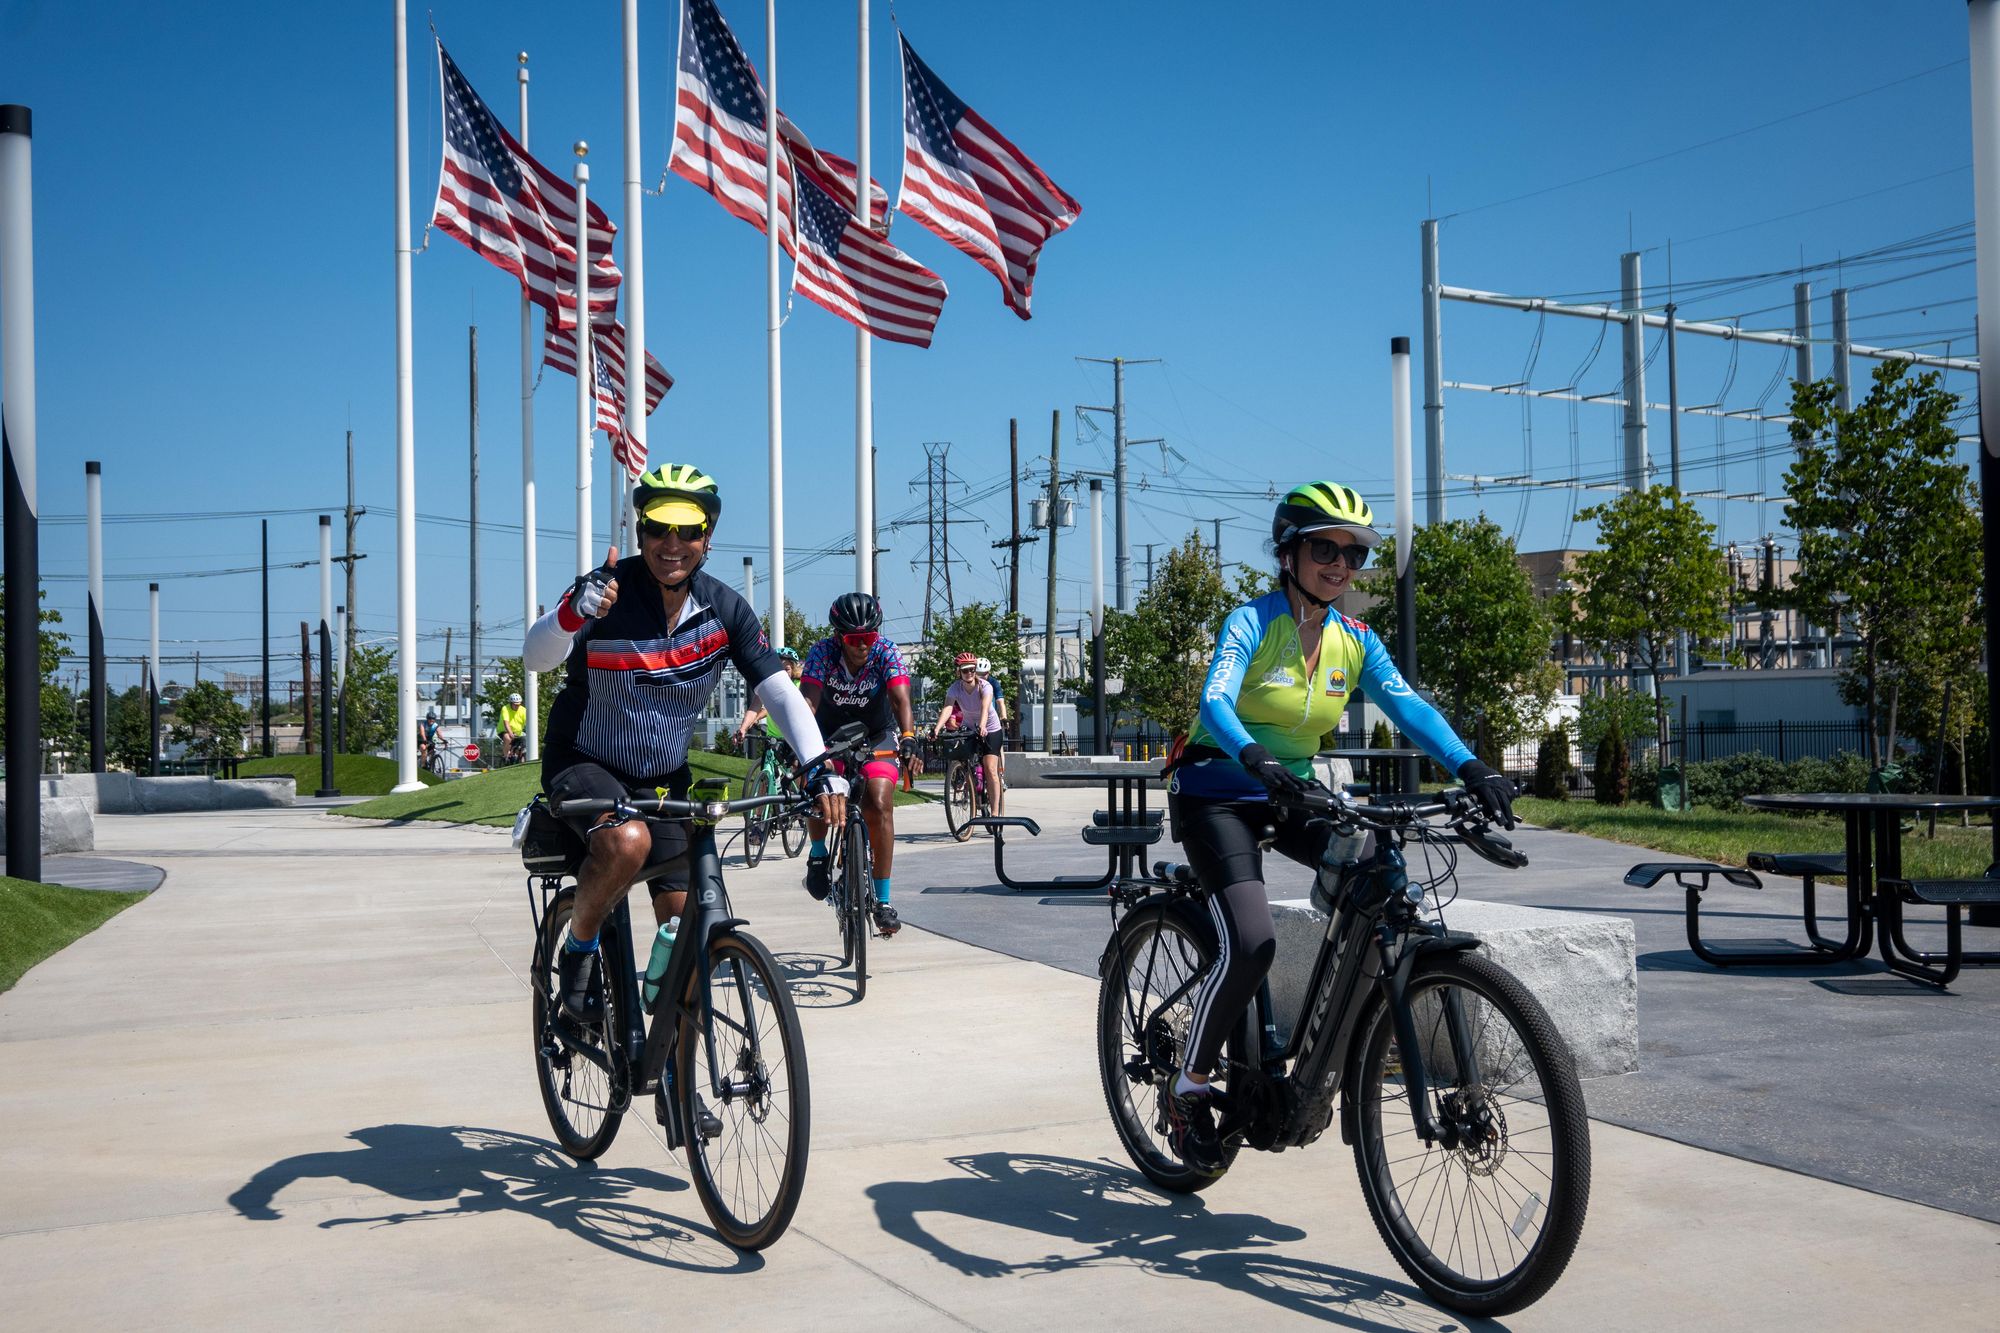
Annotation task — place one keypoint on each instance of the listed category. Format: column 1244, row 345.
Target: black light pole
column 326, row 787
column 265, row 525
column 93, row 491
column 17, row 444
column 1984, row 44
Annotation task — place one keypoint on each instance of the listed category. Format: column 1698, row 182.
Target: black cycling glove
column 818, row 779
column 1280, row 782
column 585, row 599
column 1493, row 790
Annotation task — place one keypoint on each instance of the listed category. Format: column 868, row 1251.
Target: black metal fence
column 1783, row 741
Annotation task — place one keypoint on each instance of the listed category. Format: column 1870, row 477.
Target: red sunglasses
column 860, row 638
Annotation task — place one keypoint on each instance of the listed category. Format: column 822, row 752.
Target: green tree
column 371, row 700
column 1656, row 575
column 126, row 719
column 1161, row 651
column 1887, row 520
column 209, row 722
column 1552, row 765
column 1482, row 639
column 58, row 720
column 800, row 634
column 1613, row 778
column 983, row 629
column 506, row 677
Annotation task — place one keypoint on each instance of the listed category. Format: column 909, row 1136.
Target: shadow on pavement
column 472, row 1171
column 815, row 981
column 1124, row 1223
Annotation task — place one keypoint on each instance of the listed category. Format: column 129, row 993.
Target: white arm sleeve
column 792, row 716
column 547, row 645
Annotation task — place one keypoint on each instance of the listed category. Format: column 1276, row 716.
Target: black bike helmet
column 853, row 611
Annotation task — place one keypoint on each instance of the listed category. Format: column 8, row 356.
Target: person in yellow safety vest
column 514, row 728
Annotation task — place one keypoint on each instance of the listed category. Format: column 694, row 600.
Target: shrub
column 1614, row 766
column 1552, row 765
column 1721, row 784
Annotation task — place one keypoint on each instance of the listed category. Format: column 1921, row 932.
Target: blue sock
column 882, row 891
column 818, row 847
column 576, row 945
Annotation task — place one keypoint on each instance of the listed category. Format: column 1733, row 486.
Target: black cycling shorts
column 585, row 780
column 993, row 742
column 1220, row 837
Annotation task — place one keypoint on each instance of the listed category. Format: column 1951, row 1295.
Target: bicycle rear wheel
column 747, row 1138
column 1485, row 1227
column 1154, row 955
column 582, row 1078
column 958, row 799
column 792, row 827
column 756, row 823
column 857, row 891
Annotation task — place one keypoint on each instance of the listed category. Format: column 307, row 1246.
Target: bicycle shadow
column 1125, row 1223
column 816, row 980
column 468, row 1171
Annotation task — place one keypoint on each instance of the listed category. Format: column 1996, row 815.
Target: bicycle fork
column 1394, row 977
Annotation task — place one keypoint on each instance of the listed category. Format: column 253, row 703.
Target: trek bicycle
column 852, row 896
column 1458, row 1097
column 965, row 794
column 723, row 1057
column 773, row 775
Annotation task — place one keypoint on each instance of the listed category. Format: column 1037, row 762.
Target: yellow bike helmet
column 677, row 493
column 1318, row 506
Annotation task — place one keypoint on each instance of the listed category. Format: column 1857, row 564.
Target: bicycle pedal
column 710, row 1126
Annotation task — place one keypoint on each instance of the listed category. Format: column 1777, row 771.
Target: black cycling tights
column 1220, row 839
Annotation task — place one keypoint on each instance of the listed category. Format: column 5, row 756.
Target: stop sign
column 471, row 753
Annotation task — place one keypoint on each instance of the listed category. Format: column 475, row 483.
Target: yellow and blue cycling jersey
column 1258, row 690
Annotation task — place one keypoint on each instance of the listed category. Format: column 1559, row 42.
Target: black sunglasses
column 687, row 532
column 1324, row 552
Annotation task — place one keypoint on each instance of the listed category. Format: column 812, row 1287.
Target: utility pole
column 347, row 651
column 1149, row 564
column 1631, row 298
column 1433, row 294
column 340, row 632
column 1049, row 621
column 326, row 787
column 264, row 525
column 153, row 684
column 1015, row 540
column 473, row 637
column 1122, row 554
column 1098, row 727
column 306, row 692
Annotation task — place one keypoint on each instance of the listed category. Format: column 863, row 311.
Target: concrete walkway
column 294, row 1087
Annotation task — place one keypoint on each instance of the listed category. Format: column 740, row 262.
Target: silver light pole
column 406, row 441
column 326, row 787
column 585, row 363
column 93, row 508
column 17, row 442
column 1406, row 528
column 1984, row 20
column 531, row 683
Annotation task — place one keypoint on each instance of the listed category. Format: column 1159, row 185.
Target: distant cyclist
column 430, row 738
column 856, row 675
column 646, row 639
column 1284, row 668
column 756, row 714
column 514, row 728
column 970, row 700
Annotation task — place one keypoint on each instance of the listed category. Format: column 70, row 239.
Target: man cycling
column 856, row 675
column 1284, row 668
column 514, row 729
column 646, row 639
column 969, row 704
column 757, row 714
column 429, row 738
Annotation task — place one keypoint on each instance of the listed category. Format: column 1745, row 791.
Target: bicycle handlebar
column 667, row 807
column 1467, row 819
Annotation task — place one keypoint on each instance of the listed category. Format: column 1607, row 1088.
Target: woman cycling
column 1284, row 668
column 969, row 705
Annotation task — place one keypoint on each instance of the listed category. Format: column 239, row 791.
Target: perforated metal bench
column 999, row 824
column 1808, row 867
column 1940, row 969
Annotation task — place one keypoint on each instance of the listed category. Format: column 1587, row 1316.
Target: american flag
column 966, row 182
column 719, row 129
column 514, row 211
column 855, row 273
column 608, row 366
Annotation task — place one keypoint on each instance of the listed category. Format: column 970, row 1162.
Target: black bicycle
column 723, row 1057
column 965, row 794
column 852, row 873
column 1458, row 1096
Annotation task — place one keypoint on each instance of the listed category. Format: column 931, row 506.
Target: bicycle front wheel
column 958, row 799
column 748, row 1109
column 1485, row 1226
column 756, row 823
column 857, row 891
column 575, row 1065
column 792, row 828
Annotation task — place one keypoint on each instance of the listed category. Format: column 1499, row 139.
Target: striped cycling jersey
column 1258, row 690
column 636, row 686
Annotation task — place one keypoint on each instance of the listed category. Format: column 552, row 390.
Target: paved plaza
column 294, row 1087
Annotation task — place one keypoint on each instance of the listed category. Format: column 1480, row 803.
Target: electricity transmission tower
column 937, row 573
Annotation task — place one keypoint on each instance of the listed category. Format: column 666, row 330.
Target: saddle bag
column 548, row 846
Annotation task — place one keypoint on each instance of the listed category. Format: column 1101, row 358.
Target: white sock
column 1183, row 1085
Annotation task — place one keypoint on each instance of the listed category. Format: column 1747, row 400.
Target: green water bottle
column 656, row 966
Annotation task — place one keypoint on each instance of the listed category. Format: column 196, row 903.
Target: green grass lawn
column 353, row 774
column 496, row 797
column 1729, row 837
column 39, row 920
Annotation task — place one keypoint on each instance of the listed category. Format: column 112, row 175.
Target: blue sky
column 214, row 206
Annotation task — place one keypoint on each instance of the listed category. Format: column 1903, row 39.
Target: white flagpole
column 530, row 695
column 864, row 368
column 406, row 439
column 635, row 261
column 585, row 375
column 772, row 316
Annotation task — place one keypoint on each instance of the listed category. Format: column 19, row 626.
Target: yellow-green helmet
column 677, row 493
column 1318, row 506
